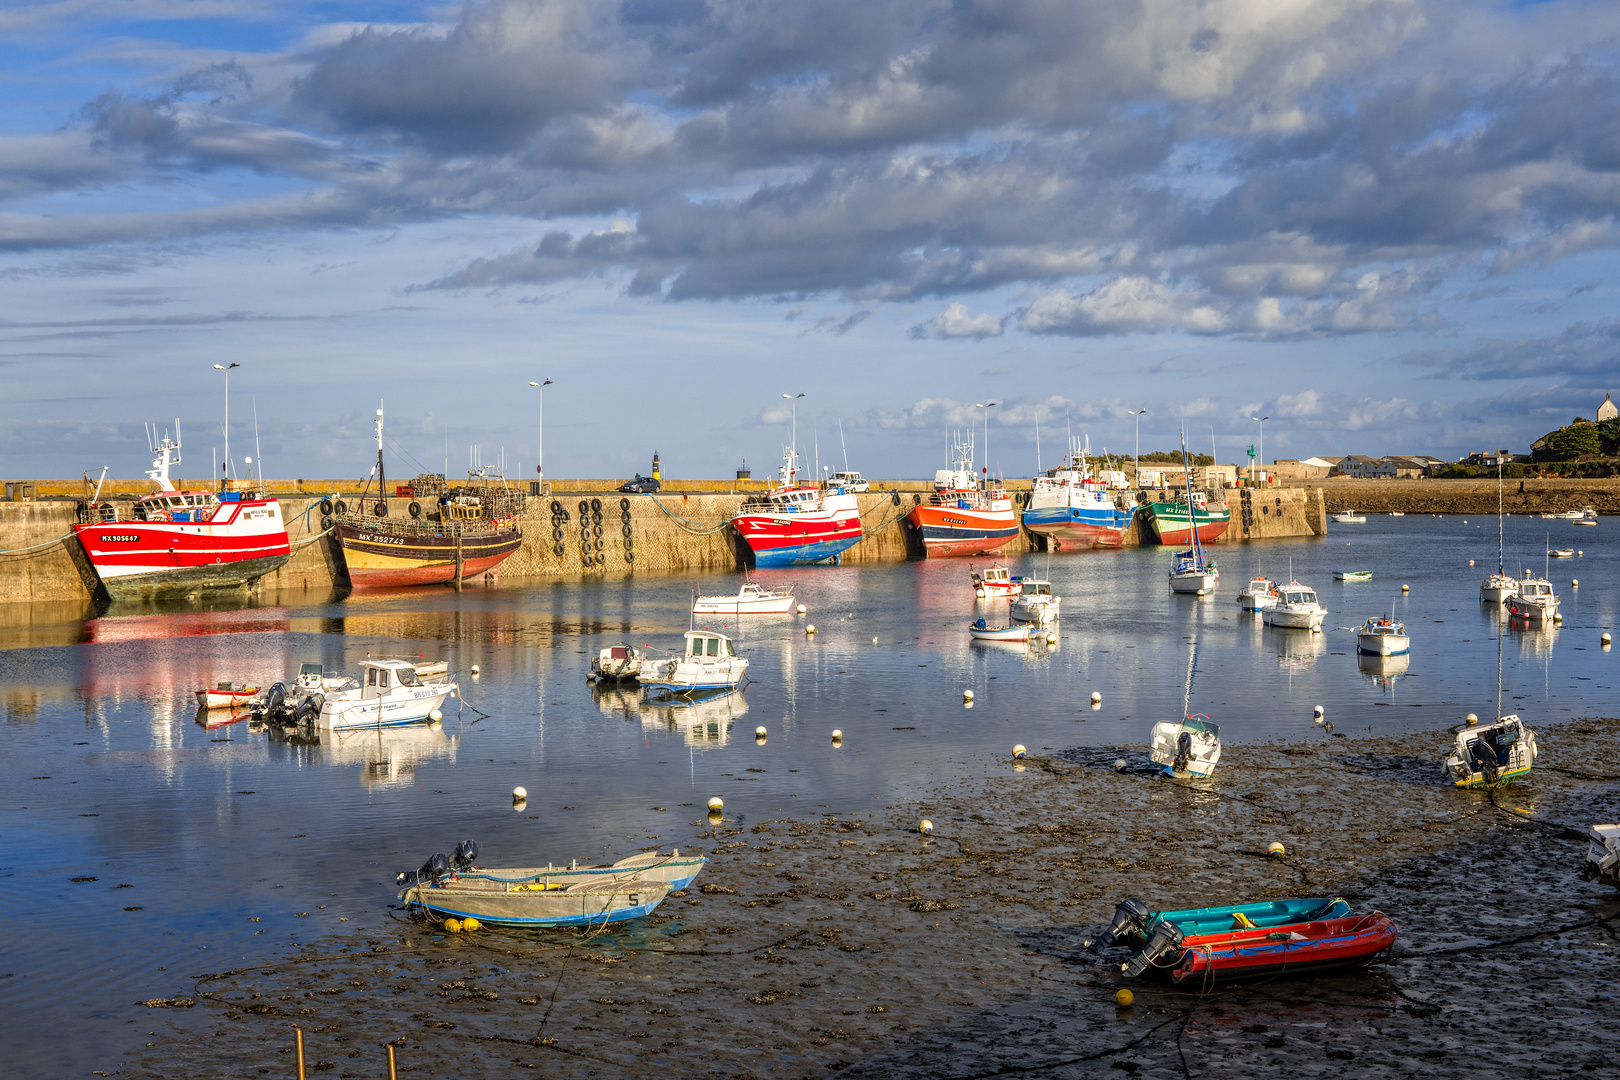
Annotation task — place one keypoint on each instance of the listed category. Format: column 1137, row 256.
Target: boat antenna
column 257, row 455
column 841, row 445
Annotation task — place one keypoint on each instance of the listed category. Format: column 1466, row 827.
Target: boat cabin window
column 407, row 677
column 309, row 669
column 377, row 677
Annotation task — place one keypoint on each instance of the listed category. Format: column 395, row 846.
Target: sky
column 1387, row 226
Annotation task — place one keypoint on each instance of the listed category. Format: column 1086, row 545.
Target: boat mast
column 1192, row 512
column 841, row 445
column 1192, row 662
column 1499, row 549
column 382, row 483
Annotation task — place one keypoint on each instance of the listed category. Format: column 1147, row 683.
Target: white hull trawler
column 710, row 662
column 1259, row 594
column 751, row 599
column 1534, row 601
column 1035, row 602
column 392, row 693
column 1296, row 609
column 1382, row 637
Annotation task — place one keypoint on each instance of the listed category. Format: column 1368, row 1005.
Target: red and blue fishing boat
column 1074, row 509
column 799, row 524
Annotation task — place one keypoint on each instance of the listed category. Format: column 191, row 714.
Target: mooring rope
column 686, row 523
column 37, row 547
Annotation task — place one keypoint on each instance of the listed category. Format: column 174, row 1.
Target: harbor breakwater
column 678, row 531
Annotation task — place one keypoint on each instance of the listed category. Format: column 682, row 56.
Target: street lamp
column 987, row 406
column 227, row 466
column 539, row 450
column 1261, row 420
column 793, row 445
column 1138, row 414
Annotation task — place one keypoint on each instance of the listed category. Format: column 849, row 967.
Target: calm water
column 108, row 774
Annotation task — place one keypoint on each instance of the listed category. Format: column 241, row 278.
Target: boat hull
column 710, row 605
column 952, row 532
column 378, row 558
column 225, row 699
column 593, row 904
column 1263, row 914
column 1248, row 954
column 1076, row 527
column 1519, row 608
column 1009, row 633
column 1383, row 645
column 1169, row 522
column 1193, row 584
column 154, row 560
column 809, row 538
column 337, row 715
column 1293, row 620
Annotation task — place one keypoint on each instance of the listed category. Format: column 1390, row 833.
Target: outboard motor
column 309, row 708
column 1163, row 950
column 466, row 852
column 1483, row 758
column 432, row 870
column 1129, row 915
column 1183, row 751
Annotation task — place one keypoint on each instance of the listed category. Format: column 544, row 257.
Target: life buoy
column 326, row 523
column 627, row 530
column 596, row 530
column 556, row 507
column 326, row 507
column 381, row 509
column 596, row 506
column 415, row 508
column 624, row 504
column 341, row 507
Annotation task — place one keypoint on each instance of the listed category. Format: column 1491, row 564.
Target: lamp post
column 540, row 435
column 227, row 466
column 1261, row 420
column 1138, row 414
column 987, row 406
column 793, row 442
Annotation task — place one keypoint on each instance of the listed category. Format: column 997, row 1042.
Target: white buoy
column 716, row 805
column 1470, row 562
column 1580, row 553
column 1096, row 697
column 1574, row 583
column 838, row 735
column 874, row 641
column 759, row 733
column 1605, row 640
column 1051, row 639
column 979, row 593
column 811, row 629
column 1317, row 714
column 1119, row 764
column 436, row 715
column 519, row 794
column 1019, row 751
column 475, row 669
column 1471, row 719
column 802, row 609
column 925, row 826
column 1276, row 850
column 967, row 695
column 1406, row 588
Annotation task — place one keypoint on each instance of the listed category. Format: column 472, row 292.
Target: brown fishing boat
column 451, row 533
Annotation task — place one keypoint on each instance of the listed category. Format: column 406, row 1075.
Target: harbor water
column 145, row 843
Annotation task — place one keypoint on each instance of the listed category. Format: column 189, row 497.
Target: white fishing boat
column 1585, row 521
column 993, row 581
column 751, row 599
column 709, row 662
column 1035, row 602
column 1397, row 513
column 1487, row 755
column 1382, row 636
column 1603, row 855
column 1296, row 608
column 1349, row 517
column 1534, row 600
column 1569, row 515
column 980, row 630
column 226, row 695
column 1259, row 594
column 1189, row 747
column 616, row 663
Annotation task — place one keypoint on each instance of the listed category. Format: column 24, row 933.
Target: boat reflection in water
column 385, row 756
column 1297, row 652
column 703, row 720
column 1384, row 670
column 214, row 719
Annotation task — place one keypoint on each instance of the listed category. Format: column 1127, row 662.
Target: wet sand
column 854, row 945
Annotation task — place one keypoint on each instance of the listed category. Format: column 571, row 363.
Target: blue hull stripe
column 619, row 915
column 805, row 554
column 1049, row 517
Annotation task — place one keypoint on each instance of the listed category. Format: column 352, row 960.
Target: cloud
column 1587, row 351
column 955, row 322
column 1123, row 305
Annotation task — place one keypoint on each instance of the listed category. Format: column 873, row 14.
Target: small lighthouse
column 656, row 474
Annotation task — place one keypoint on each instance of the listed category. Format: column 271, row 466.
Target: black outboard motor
column 1482, row 756
column 432, row 870
column 1163, row 950
column 1130, row 919
column 466, row 852
column 1183, row 751
column 309, row 709
column 275, row 702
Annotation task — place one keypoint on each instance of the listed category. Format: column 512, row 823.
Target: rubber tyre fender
column 381, row 509
column 415, row 508
column 627, row 530
column 557, row 549
column 326, row 507
column 341, row 507
column 624, row 504
column 596, row 516
column 916, row 500
column 326, row 523
column 629, row 542
column 584, row 507
column 556, row 534
column 585, row 560
column 596, row 530
column 599, row 545
column 556, row 508
column 596, row 506
column 629, row 556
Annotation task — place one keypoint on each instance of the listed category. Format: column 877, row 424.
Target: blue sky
column 1389, row 225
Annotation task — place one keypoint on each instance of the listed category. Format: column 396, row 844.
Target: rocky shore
column 1466, row 496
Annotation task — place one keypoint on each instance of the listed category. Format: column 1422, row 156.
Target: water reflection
column 386, row 757
column 701, row 721
column 1384, row 670
column 1297, row 650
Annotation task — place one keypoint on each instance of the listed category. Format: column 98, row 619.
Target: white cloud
column 955, row 322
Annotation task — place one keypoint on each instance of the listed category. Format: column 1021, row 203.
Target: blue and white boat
column 709, row 662
column 799, row 524
column 980, row 630
column 1072, row 508
column 1382, row 636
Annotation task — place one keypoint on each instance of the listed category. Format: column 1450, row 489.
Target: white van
column 852, row 481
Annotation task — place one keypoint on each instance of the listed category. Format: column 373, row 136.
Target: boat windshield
column 1035, row 588
column 1304, row 596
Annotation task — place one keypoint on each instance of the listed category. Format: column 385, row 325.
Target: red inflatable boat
column 1270, row 952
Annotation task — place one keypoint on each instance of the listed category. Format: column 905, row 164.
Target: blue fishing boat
column 1071, row 508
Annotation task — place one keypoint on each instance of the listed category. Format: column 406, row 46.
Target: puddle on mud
column 837, row 944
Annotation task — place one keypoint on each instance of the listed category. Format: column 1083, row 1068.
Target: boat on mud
column 179, row 543
column 1134, row 922
column 751, row 599
column 1305, row 948
column 1490, row 755
column 1072, row 508
column 798, row 523
column 1189, row 747
column 1603, row 855
column 964, row 515
column 708, row 662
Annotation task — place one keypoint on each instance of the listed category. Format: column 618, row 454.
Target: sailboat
column 1499, row 586
column 1191, row 572
column 1491, row 754
column 1190, row 747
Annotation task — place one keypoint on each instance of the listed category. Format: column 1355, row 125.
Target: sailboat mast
column 1499, row 536
column 1192, row 513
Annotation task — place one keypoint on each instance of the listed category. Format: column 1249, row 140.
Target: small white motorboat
column 1497, row 588
column 1259, row 594
column 1296, row 608
column 1186, row 748
column 1570, row 515
column 1603, row 855
column 980, row 630
column 1487, row 755
column 616, row 663
column 1349, row 517
column 709, row 662
column 1534, row 600
column 226, row 695
column 392, row 693
column 1352, row 575
column 1382, row 636
column 751, row 599
column 1035, row 602
column 1561, row 553
column 993, row 581
column 1397, row 513
column 1192, row 574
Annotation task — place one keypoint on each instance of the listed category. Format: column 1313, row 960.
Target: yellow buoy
column 1018, row 750
column 1574, row 583
column 1406, row 588
column 1605, row 640
column 802, row 609
column 838, row 735
column 470, row 924
column 967, row 695
column 453, row 925
column 717, row 804
column 1124, row 998
column 1095, row 697
column 810, row 629
column 925, row 826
